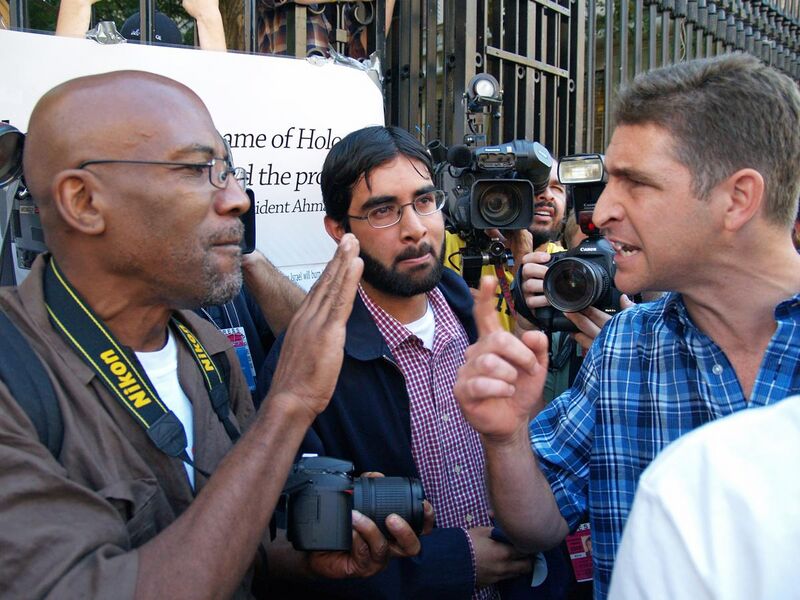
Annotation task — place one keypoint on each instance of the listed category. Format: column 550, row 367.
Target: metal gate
column 558, row 62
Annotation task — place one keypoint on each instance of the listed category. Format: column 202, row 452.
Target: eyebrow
column 634, row 175
column 194, row 149
column 378, row 200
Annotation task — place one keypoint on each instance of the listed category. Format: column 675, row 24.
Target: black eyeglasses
column 218, row 169
column 387, row 215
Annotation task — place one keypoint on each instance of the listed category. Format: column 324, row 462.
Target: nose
column 232, row 199
column 412, row 226
column 607, row 209
column 546, row 195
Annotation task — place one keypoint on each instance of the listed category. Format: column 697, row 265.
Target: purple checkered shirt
column 446, row 450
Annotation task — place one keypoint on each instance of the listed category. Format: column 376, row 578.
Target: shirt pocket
column 135, row 501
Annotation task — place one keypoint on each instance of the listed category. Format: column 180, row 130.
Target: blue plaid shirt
column 650, row 377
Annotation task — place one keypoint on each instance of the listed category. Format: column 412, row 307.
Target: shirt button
column 445, row 417
column 468, row 518
column 457, row 468
column 717, row 369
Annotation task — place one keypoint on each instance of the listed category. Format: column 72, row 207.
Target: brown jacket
column 70, row 528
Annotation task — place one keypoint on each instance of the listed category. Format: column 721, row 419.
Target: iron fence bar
column 653, row 36
column 414, row 62
column 379, row 23
column 431, row 124
column 623, row 41
column 554, row 6
column 527, row 61
column 591, row 70
column 638, row 33
column 540, row 53
column 578, row 84
column 550, row 117
column 18, row 14
column 146, row 21
column 529, row 18
column 676, row 40
column 250, row 26
column 608, row 71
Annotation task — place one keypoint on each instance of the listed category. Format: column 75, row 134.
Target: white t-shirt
column 717, row 514
column 424, row 327
column 162, row 369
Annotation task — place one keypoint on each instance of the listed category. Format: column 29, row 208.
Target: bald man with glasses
column 166, row 479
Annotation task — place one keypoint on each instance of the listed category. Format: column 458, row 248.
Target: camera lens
column 379, row 497
column 573, row 284
column 499, row 205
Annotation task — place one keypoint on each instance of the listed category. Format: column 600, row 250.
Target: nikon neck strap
column 122, row 374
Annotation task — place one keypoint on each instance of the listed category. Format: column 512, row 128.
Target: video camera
column 490, row 187
column 320, row 495
column 20, row 215
column 584, row 275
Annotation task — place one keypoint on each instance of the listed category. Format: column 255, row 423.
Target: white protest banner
column 280, row 114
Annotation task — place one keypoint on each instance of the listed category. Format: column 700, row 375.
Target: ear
column 77, row 201
column 745, row 191
column 334, row 228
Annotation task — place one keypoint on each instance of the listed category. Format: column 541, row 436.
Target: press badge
column 238, row 340
column 579, row 546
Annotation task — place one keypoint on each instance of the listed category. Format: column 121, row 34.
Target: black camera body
column 577, row 279
column 489, row 187
column 320, row 494
column 583, row 276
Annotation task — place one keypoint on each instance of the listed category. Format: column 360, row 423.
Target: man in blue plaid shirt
column 704, row 177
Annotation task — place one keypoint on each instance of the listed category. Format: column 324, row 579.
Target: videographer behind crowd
column 475, row 217
column 704, row 175
column 142, row 222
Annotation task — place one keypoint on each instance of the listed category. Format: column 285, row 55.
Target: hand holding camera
column 353, row 525
column 581, row 279
column 585, row 324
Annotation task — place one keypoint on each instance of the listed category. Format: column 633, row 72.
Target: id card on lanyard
column 238, row 340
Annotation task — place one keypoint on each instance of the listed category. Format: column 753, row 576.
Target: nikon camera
column 320, row 495
column 583, row 276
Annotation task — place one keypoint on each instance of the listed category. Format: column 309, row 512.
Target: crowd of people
column 176, row 446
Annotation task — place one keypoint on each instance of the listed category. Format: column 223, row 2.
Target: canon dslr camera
column 583, row 276
column 321, row 493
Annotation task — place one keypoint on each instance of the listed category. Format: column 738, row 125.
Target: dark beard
column 542, row 236
column 390, row 281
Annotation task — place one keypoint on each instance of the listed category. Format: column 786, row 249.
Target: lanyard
column 123, row 375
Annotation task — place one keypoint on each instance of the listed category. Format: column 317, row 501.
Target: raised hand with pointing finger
column 500, row 385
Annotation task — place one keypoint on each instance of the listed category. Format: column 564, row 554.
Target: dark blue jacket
column 367, row 422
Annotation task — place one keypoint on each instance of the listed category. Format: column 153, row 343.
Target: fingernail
column 357, row 517
column 394, row 520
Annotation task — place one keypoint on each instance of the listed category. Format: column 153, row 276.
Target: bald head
column 111, row 115
column 124, row 168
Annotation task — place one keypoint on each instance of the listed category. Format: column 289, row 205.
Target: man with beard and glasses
column 165, row 479
column 393, row 409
